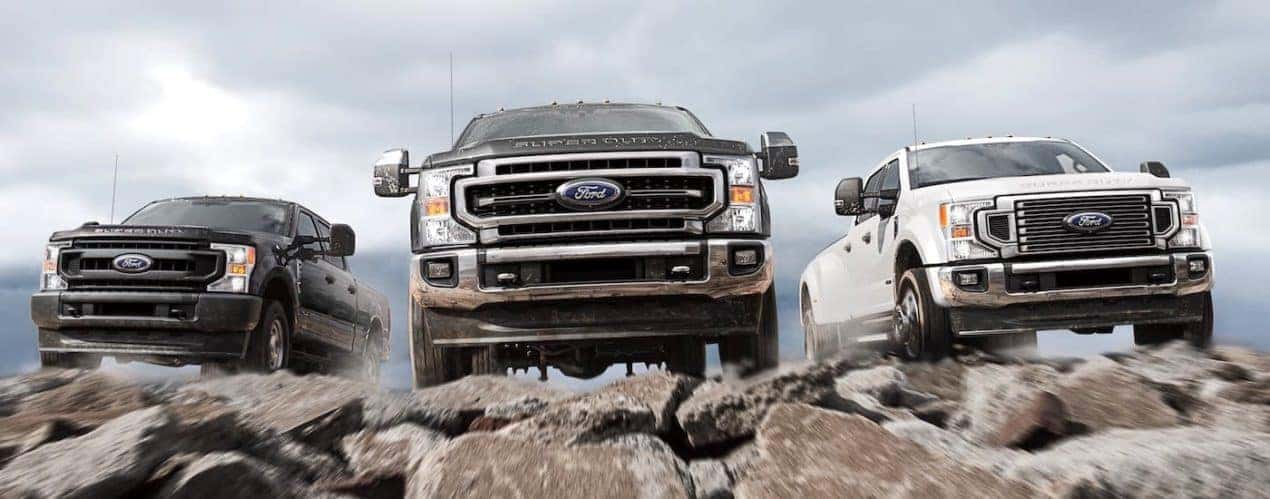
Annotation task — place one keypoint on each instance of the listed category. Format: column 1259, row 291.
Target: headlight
column 239, row 262
column 436, row 223
column 957, row 221
column 50, row 280
column 1189, row 234
column 742, row 213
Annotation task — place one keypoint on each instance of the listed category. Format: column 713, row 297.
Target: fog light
column 439, row 270
column 1197, row 266
column 745, row 257
column 971, row 280
column 967, row 279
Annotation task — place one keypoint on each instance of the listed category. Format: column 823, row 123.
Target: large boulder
column 314, row 410
column 71, row 400
column 230, row 474
column 1103, row 394
column 660, row 391
column 390, row 452
column 14, row 389
column 1256, row 362
column 470, row 396
column 953, row 446
column 942, row 379
column 719, row 413
column 995, row 394
column 495, row 465
column 107, row 462
column 711, row 479
column 1173, row 462
column 587, row 419
column 805, row 451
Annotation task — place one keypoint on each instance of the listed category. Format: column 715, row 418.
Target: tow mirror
column 1156, row 168
column 780, row 156
column 343, row 241
column 847, row 198
column 392, row 174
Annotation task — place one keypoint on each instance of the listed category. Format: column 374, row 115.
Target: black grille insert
column 999, row 226
column 588, row 164
column 1041, row 227
column 1163, row 219
column 639, row 224
column 642, row 193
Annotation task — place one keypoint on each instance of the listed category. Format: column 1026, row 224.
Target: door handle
column 330, row 279
column 352, row 290
column 868, row 237
column 847, row 247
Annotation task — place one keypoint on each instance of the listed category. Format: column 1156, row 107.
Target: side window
column 307, row 227
column 892, row 180
column 872, row 186
column 324, row 231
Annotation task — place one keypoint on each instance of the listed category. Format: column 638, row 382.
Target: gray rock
column 1255, row 362
column 496, row 465
column 642, row 443
column 942, row 379
column 711, row 479
column 1039, row 421
column 865, row 405
column 660, row 391
column 995, row 393
column 13, row 390
column 1222, row 413
column 297, row 460
column 390, row 452
column 882, row 383
column 229, row 474
column 718, row 413
column 315, row 410
column 1250, row 392
column 471, row 396
column 943, row 442
column 587, row 419
column 810, row 452
column 1103, row 394
column 83, row 401
column 107, row 462
column 1172, row 462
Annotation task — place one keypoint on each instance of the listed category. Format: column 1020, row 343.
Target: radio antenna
column 114, row 186
column 451, row 99
column 914, row 124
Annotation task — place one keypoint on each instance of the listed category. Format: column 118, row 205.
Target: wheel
column 370, row 361
column 1199, row 334
column 269, row 347
column 435, row 365
column 747, row 354
column 686, row 355
column 813, row 345
column 921, row 327
column 69, row 360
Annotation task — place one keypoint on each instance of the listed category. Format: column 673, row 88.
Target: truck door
column 318, row 299
column 861, row 256
column 876, row 272
column 344, row 291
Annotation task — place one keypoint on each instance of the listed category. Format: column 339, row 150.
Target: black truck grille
column 585, row 226
column 587, row 164
column 643, row 193
column 1041, row 228
column 176, row 265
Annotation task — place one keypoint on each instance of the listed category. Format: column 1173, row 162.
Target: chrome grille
column 643, row 193
column 1041, row 229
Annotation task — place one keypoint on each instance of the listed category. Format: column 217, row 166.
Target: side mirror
column 392, row 174
column 847, row 198
column 343, row 241
column 780, row 156
column 1155, row 168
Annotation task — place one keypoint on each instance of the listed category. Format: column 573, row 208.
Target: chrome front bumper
column 946, row 293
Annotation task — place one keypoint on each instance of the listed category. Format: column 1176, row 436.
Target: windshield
column 941, row 165
column 558, row 120
column 236, row 214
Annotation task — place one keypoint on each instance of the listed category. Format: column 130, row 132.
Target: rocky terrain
column 1170, row 421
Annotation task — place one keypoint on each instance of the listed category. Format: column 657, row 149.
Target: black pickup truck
column 226, row 282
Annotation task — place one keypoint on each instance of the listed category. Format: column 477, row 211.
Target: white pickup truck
column 989, row 240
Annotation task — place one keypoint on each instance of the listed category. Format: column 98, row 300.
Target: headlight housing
column 240, row 261
column 957, row 222
column 1189, row 234
column 436, row 223
column 742, row 213
column 50, row 280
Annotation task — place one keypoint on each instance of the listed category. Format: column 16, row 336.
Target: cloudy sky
column 295, row 101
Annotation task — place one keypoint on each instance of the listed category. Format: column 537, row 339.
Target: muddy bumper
column 186, row 325
column 584, row 292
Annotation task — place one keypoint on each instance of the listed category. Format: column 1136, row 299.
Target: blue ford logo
column 589, row 194
column 132, row 263
column 1088, row 222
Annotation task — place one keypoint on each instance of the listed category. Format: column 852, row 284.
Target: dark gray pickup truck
column 226, row 282
column 584, row 235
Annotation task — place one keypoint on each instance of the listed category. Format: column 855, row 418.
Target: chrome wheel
column 370, row 361
column 908, row 325
column 277, row 344
column 809, row 334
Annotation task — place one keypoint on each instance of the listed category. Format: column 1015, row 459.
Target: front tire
column 269, row 347
column 1198, row 334
column 921, row 327
column 749, row 354
column 687, row 356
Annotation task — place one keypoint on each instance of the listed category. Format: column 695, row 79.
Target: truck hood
column 1038, row 184
column 151, row 232
column 588, row 142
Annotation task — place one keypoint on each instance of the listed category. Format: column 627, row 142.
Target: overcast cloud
column 295, row 101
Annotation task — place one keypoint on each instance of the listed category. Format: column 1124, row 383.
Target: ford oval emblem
column 589, row 194
column 1088, row 222
column 132, row 263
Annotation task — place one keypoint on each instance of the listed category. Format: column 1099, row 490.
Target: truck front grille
column 515, row 198
column 642, row 193
column 177, row 265
column 1041, row 229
